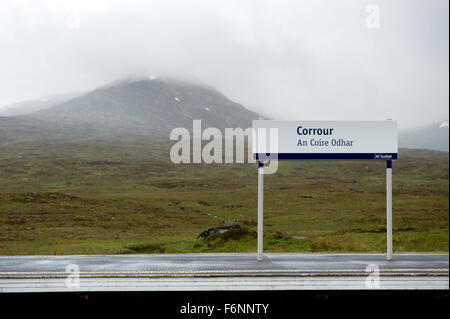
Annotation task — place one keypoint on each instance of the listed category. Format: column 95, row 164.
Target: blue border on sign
column 328, row 156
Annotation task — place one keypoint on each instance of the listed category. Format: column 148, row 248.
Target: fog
column 308, row 60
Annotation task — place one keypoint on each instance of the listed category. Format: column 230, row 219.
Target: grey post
column 389, row 209
column 260, row 208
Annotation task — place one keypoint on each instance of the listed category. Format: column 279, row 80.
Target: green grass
column 115, row 198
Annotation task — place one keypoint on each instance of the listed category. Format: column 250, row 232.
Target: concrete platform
column 181, row 272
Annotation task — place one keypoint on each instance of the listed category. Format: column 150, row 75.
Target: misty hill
column 433, row 137
column 130, row 110
column 148, row 109
column 32, row 106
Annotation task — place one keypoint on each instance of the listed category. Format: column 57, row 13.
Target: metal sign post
column 260, row 208
column 389, row 209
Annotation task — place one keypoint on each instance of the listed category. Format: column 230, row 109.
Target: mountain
column 135, row 109
column 32, row 106
column 433, row 137
column 129, row 110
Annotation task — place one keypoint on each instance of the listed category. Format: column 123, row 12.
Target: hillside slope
column 147, row 109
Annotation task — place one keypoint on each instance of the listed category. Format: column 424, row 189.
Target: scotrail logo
column 383, row 156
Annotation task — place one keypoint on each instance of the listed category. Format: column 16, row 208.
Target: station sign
column 331, row 140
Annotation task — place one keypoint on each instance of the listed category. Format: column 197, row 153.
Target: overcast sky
column 284, row 59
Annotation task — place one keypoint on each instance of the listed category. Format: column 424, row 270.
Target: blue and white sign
column 356, row 140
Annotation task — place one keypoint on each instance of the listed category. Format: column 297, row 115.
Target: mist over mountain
column 31, row 106
column 129, row 110
column 432, row 137
column 134, row 109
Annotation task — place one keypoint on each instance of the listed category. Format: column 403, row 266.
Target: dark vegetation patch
column 101, row 163
column 39, row 197
column 233, row 206
column 204, row 203
column 145, row 249
column 217, row 230
column 250, row 223
column 229, row 237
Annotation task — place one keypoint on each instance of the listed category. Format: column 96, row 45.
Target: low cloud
column 283, row 59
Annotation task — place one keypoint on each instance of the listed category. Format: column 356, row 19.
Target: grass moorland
column 117, row 198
